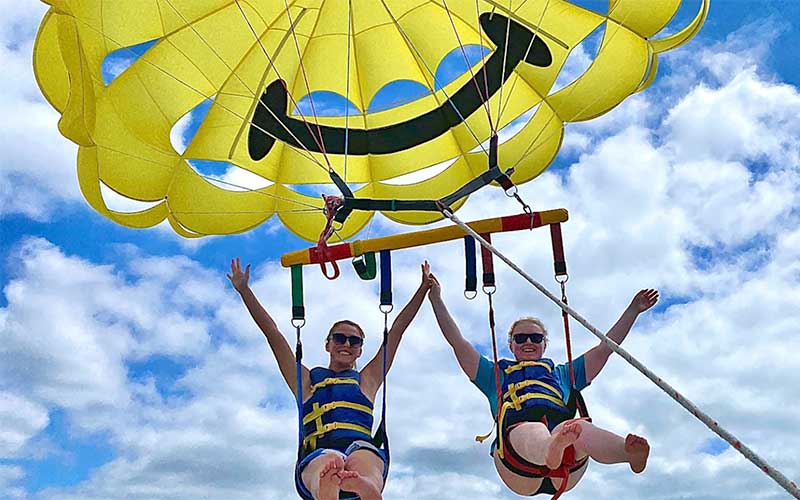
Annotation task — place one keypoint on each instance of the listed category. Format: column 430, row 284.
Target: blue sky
column 129, row 369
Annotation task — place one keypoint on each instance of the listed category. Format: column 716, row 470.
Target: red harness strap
column 568, row 465
column 332, row 205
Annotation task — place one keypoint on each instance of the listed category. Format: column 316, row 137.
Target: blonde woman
column 537, row 426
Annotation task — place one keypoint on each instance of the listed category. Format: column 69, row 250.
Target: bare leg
column 363, row 475
column 563, row 436
column 321, row 476
column 608, row 448
column 531, row 441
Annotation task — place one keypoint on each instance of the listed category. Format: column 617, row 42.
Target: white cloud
column 20, row 419
column 719, row 173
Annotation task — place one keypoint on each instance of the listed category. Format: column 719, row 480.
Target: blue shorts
column 352, row 448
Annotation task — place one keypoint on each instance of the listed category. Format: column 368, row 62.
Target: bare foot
column 356, row 483
column 558, row 442
column 329, row 479
column 638, row 449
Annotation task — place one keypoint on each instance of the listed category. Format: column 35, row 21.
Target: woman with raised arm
column 337, row 409
column 537, row 431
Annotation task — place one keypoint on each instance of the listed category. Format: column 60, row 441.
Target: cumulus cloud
column 698, row 199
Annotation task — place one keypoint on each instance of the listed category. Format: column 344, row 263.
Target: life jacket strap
column 320, row 410
column 524, row 364
column 311, row 439
column 332, row 381
column 511, row 393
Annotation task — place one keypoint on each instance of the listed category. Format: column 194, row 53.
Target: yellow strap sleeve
column 321, row 410
column 331, row 381
column 523, row 364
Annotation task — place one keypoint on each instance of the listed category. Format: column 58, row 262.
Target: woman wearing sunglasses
column 537, row 428
column 337, row 409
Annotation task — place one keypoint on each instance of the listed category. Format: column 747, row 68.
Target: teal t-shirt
column 485, row 381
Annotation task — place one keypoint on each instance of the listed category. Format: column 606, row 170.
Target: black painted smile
column 271, row 120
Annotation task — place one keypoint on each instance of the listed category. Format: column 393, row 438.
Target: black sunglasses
column 521, row 338
column 342, row 339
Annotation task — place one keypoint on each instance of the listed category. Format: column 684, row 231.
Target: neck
column 339, row 367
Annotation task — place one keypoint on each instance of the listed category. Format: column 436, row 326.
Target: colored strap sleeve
column 298, row 310
column 487, row 261
column 559, row 262
column 386, row 278
column 471, row 284
column 366, row 266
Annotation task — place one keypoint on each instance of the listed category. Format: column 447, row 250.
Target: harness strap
column 312, row 438
column 471, row 280
column 332, row 381
column 525, row 364
column 298, row 320
column 320, row 410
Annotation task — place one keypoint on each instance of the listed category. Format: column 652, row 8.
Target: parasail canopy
column 261, row 67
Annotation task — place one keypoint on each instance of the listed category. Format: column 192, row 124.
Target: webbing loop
column 488, row 266
column 365, row 266
column 298, row 309
column 386, row 282
column 471, row 281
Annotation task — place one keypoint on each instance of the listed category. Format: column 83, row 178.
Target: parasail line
column 347, row 85
column 211, row 47
column 307, row 154
column 400, row 136
column 411, row 46
column 272, row 66
column 485, row 97
column 171, row 168
column 531, row 148
column 500, row 106
column 320, row 141
column 712, row 424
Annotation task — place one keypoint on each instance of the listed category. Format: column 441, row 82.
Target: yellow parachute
column 257, row 59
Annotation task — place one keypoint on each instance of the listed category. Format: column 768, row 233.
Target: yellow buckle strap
column 312, row 438
column 331, row 381
column 513, row 388
column 318, row 410
column 523, row 364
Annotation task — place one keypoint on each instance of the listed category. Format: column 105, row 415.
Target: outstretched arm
column 597, row 356
column 465, row 352
column 372, row 373
column 277, row 342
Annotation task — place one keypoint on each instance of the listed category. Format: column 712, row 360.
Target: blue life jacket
column 337, row 413
column 531, row 388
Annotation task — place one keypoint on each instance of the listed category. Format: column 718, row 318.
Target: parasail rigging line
column 432, row 73
column 483, row 73
column 317, row 138
column 533, row 146
column 500, row 105
column 347, row 86
column 484, row 95
column 307, row 154
column 712, row 424
column 257, row 102
column 171, row 168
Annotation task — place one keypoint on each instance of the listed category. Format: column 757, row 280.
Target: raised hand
column 644, row 300
column 239, row 278
column 426, row 272
column 435, row 287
